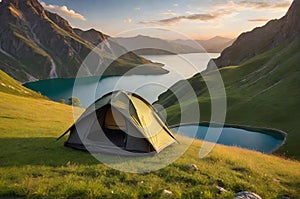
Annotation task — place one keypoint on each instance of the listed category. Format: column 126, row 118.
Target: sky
column 195, row 19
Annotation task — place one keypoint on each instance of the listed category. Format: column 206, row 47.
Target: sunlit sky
column 196, row 19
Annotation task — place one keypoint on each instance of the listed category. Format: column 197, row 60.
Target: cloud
column 189, row 13
column 63, row 11
column 254, row 4
column 258, row 20
column 137, row 8
column 128, row 20
column 169, row 13
column 193, row 17
column 175, row 4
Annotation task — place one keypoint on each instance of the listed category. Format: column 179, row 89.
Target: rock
column 221, row 189
column 247, row 195
column 167, row 192
column 193, row 166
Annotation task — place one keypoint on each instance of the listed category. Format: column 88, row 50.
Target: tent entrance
column 120, row 131
column 114, row 127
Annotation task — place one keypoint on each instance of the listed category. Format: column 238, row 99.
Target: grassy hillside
column 34, row 165
column 263, row 91
column 9, row 85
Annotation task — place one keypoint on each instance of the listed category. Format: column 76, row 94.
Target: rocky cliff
column 37, row 44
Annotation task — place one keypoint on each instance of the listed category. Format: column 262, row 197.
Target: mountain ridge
column 37, row 44
column 261, row 39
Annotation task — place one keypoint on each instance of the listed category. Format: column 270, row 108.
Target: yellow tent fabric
column 152, row 129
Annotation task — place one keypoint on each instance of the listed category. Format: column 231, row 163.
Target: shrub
column 63, row 101
column 75, row 101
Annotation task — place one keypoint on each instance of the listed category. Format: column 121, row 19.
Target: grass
column 9, row 85
column 262, row 92
column 34, row 165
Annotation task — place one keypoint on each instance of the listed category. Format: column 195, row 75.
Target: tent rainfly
column 120, row 123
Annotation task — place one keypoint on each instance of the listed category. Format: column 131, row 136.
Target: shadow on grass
column 40, row 151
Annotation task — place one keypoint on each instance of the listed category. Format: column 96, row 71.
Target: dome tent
column 120, row 123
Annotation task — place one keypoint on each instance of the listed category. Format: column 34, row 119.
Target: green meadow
column 34, row 165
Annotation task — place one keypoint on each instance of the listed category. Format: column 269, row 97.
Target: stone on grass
column 193, row 166
column 167, row 192
column 247, row 195
column 221, row 189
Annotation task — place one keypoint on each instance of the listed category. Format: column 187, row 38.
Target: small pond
column 262, row 140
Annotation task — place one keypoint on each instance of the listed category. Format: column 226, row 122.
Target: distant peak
column 92, row 30
column 219, row 37
column 142, row 36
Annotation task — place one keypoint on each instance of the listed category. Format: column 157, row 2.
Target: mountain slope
column 262, row 39
column 37, row 44
column 261, row 91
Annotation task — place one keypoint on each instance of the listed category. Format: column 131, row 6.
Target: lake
column 148, row 86
column 248, row 139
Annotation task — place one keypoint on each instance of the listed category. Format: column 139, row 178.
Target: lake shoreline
column 149, row 85
column 275, row 133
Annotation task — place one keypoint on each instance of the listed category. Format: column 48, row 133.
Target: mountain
column 275, row 33
column 262, row 85
column 145, row 45
column 107, row 43
column 37, row 44
column 214, row 45
column 93, row 36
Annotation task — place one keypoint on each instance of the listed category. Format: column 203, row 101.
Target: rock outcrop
column 37, row 44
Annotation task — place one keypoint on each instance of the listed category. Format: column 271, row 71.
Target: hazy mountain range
column 157, row 46
column 214, row 45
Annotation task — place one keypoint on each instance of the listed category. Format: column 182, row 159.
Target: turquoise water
column 235, row 137
column 148, row 86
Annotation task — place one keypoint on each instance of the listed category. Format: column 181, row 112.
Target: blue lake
column 148, row 86
column 258, row 141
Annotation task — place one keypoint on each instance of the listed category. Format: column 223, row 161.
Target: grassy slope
column 11, row 86
column 34, row 165
column 264, row 91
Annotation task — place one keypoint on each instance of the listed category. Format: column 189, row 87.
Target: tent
column 120, row 123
